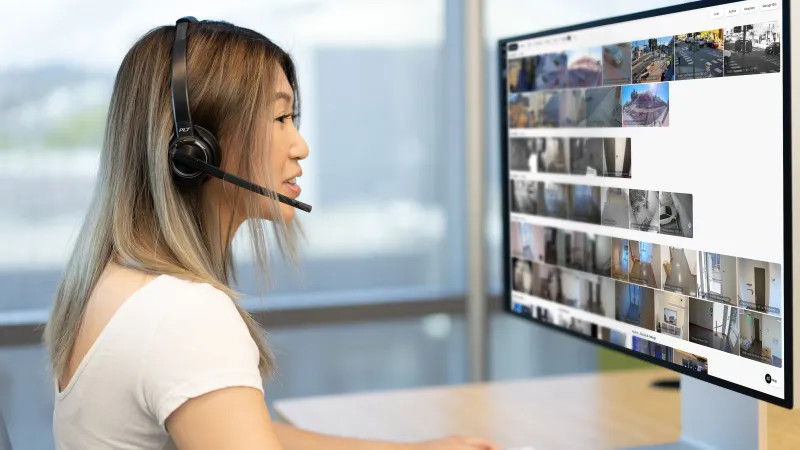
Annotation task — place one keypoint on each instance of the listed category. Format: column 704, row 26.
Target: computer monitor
column 648, row 207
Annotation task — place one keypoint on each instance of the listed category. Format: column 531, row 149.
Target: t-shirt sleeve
column 200, row 345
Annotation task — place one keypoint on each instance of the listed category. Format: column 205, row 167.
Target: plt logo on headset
column 194, row 152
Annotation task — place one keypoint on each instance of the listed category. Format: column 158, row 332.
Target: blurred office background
column 380, row 300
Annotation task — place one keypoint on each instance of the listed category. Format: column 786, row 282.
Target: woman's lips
column 292, row 187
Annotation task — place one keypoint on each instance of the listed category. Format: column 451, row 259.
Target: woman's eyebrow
column 281, row 95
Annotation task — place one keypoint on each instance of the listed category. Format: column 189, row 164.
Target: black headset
column 194, row 153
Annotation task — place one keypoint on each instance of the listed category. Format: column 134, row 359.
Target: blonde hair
column 138, row 217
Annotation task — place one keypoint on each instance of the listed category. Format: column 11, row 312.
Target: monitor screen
column 644, row 178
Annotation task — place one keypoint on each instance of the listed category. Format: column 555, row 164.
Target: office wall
column 728, row 267
column 771, row 335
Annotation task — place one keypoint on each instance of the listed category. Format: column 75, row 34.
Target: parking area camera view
column 638, row 216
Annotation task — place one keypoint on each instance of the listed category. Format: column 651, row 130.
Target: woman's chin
column 288, row 213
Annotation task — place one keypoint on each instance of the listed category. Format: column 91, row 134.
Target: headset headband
column 180, row 88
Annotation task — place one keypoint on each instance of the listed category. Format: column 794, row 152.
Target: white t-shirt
column 172, row 340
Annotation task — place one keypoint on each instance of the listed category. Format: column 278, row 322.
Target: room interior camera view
column 761, row 338
column 759, row 286
column 691, row 361
column 672, row 314
column 717, row 279
column 635, row 305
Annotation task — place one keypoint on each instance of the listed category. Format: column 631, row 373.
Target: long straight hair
column 138, row 217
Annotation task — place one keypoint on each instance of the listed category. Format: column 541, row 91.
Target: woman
column 149, row 349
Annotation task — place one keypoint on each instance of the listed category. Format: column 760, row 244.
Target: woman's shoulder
column 171, row 294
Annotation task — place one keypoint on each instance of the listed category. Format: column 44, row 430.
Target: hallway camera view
column 717, row 278
column 617, row 64
column 675, row 214
column 645, row 105
column 679, row 270
column 527, row 241
column 759, row 286
column 752, row 49
column 555, row 202
column 635, row 305
column 586, row 156
column 619, row 259
column 761, row 338
column 525, row 196
column 699, row 54
column 584, row 205
column 672, row 315
column 652, row 60
column 643, row 263
column 604, row 107
column 644, row 210
column 584, row 67
column 714, row 325
column 618, row 157
column 600, row 247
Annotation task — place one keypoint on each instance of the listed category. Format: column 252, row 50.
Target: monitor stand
column 713, row 418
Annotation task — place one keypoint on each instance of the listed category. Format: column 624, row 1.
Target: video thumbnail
column 679, row 270
column 675, row 214
column 643, row 263
column 672, row 315
column 652, row 60
column 594, row 294
column 635, row 305
column 522, row 309
column 601, row 254
column 552, row 242
column 604, row 107
column 699, row 54
column 644, row 210
column 760, row 286
column 525, row 196
column 658, row 351
column 619, row 259
column 645, row 105
column 522, row 153
column 555, row 157
column 544, row 109
column 548, row 285
column 521, row 74
column 527, row 241
column 523, row 276
column 691, row 361
column 545, row 315
column 586, row 156
column 572, row 109
column 584, row 67
column 762, row 338
column 717, row 281
column 752, row 49
column 613, row 336
column 555, row 200
column 617, row 153
column 617, row 64
column 519, row 115
column 583, row 327
column 616, row 207
column 551, row 71
column 585, row 204
column 572, row 249
column 714, row 325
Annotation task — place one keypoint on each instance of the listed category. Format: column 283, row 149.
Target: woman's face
column 287, row 147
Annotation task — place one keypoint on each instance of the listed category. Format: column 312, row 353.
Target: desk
column 607, row 410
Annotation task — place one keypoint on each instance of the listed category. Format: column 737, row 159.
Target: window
column 383, row 178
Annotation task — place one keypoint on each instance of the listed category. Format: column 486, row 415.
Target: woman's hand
column 456, row 443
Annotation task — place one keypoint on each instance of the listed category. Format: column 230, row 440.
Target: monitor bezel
column 789, row 351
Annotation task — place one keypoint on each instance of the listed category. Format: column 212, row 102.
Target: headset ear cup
column 211, row 144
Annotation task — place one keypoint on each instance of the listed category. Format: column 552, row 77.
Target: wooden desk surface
column 594, row 411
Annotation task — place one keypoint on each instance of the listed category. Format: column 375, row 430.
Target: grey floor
column 332, row 359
